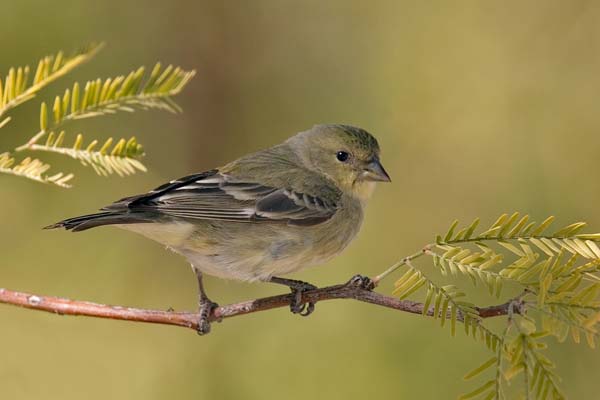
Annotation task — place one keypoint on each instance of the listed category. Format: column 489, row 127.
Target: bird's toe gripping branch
column 362, row 282
column 296, row 305
column 205, row 310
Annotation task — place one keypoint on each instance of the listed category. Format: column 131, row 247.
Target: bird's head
column 345, row 154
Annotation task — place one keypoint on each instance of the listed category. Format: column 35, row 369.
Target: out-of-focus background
column 480, row 108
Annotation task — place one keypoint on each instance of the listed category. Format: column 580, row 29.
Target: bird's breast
column 255, row 251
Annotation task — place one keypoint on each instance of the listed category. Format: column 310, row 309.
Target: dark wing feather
column 214, row 196
column 128, row 202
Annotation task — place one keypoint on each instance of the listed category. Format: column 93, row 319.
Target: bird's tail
column 103, row 218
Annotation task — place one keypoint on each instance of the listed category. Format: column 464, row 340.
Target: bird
column 262, row 216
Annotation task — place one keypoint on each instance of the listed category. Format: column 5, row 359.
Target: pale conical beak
column 374, row 171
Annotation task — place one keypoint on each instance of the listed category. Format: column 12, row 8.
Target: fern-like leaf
column 121, row 158
column 33, row 169
column 558, row 273
column 122, row 93
column 20, row 86
column 540, row 379
column 98, row 97
column 474, row 265
column 447, row 300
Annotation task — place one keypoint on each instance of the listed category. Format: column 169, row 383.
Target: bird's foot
column 298, row 288
column 296, row 305
column 362, row 282
column 205, row 309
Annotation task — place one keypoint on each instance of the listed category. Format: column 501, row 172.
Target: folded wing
column 215, row 196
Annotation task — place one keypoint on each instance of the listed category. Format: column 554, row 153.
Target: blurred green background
column 480, row 108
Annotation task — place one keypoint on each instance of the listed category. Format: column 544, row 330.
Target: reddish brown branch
column 350, row 290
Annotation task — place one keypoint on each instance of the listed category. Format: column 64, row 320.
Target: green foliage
column 526, row 358
column 557, row 274
column 121, row 93
column 16, row 87
column 98, row 97
column 32, row 169
column 120, row 158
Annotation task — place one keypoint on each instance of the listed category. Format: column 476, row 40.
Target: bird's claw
column 204, row 312
column 362, row 282
column 296, row 305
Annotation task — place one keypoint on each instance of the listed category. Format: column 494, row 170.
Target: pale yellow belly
column 252, row 251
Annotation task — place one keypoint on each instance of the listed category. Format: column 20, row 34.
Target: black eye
column 342, row 156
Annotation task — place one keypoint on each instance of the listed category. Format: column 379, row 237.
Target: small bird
column 267, row 214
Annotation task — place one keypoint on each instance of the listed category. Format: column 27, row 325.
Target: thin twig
column 352, row 290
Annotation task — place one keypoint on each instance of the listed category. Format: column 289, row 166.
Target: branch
column 354, row 289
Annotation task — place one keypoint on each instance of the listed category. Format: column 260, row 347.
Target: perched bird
column 266, row 214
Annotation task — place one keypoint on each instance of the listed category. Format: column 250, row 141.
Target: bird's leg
column 205, row 306
column 297, row 287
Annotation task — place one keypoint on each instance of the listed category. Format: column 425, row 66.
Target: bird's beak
column 374, row 171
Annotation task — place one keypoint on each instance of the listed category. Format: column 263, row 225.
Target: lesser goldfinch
column 269, row 213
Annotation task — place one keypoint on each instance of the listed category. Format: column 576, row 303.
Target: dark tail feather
column 93, row 220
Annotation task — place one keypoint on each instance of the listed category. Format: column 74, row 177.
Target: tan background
column 480, row 107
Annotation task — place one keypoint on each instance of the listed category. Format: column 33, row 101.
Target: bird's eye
column 342, row 156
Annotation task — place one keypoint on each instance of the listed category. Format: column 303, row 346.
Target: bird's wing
column 215, row 196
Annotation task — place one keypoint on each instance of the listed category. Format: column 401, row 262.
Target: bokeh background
column 480, row 108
